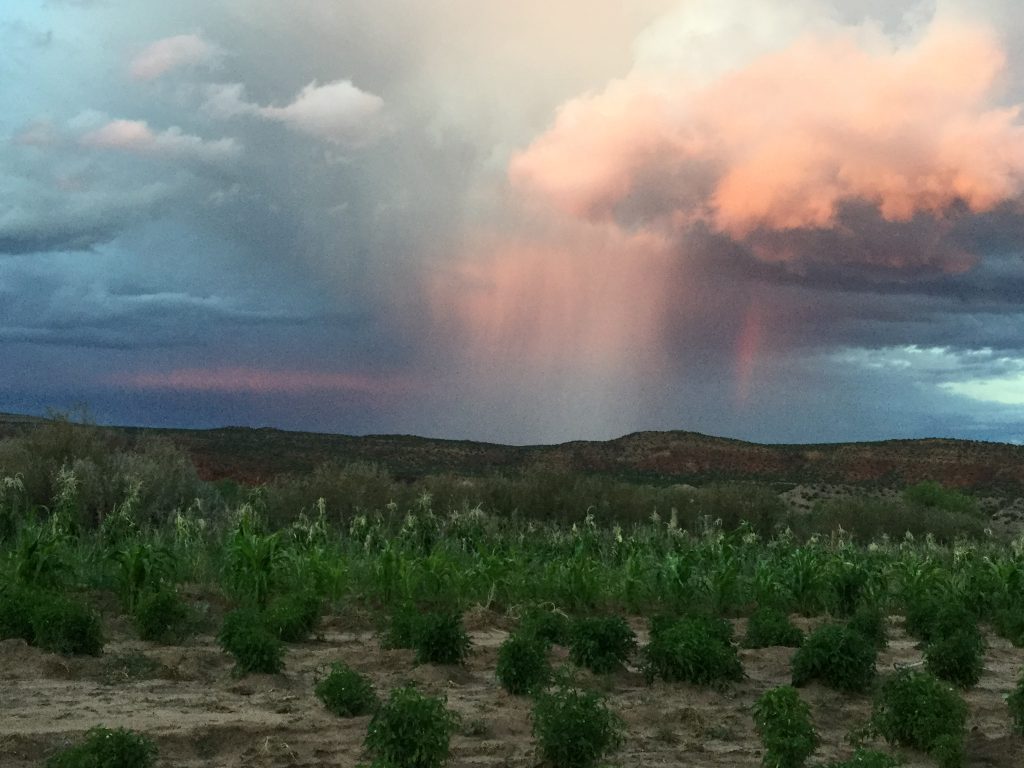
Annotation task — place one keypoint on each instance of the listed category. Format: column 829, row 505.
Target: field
column 655, row 626
column 199, row 715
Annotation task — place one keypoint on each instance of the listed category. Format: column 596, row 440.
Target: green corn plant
column 140, row 568
column 252, row 563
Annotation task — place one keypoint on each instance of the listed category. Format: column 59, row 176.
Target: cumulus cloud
column 791, row 139
column 171, row 53
column 336, row 112
column 137, row 136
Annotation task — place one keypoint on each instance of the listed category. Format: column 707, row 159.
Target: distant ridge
column 258, row 454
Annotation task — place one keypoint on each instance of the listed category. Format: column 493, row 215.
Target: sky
column 531, row 222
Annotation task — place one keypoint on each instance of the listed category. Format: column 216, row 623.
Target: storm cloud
column 527, row 222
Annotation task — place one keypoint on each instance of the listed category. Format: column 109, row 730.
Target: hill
column 257, row 455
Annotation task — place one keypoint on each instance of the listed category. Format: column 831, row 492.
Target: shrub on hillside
column 346, row 693
column 523, row 665
column 932, row 495
column 837, row 656
column 67, row 626
column 574, row 728
column 601, row 643
column 161, row 616
column 770, row 626
column 106, row 748
column 694, row 650
column 915, row 709
column 783, row 721
column 411, row 730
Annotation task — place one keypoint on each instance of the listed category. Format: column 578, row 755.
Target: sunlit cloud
column 837, row 117
column 170, row 53
column 137, row 136
column 337, row 112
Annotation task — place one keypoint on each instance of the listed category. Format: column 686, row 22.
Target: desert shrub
column 783, row 721
column 106, row 748
column 161, row 616
column 16, row 606
column 866, row 758
column 254, row 647
column 870, row 621
column 958, row 658
column 523, row 664
column 574, row 728
column 549, row 625
column 346, row 693
column 293, row 617
column 932, row 495
column 601, row 643
column 440, row 638
column 869, row 519
column 691, row 649
column 1015, row 701
column 411, row 730
column 67, row 626
column 837, row 656
column 915, row 709
column 770, row 626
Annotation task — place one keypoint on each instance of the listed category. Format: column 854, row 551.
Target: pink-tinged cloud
column 265, row 382
column 137, row 136
column 590, row 299
column 171, row 53
column 786, row 140
column 337, row 112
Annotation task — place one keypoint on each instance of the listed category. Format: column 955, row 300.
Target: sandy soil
column 187, row 700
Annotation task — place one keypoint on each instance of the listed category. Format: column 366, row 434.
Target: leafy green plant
column 574, row 728
column 769, row 626
column 958, row 658
column 402, row 627
column 1015, row 701
column 547, row 624
column 252, row 562
column 915, row 709
column 1009, row 623
column 523, row 665
column 106, row 748
column 254, row 647
column 293, row 617
column 440, row 638
column 161, row 616
column 866, row 758
column 40, row 557
column 601, row 643
column 411, row 730
column 16, row 606
column 870, row 621
column 67, row 626
column 783, row 721
column 837, row 656
column 932, row 616
column 141, row 568
column 691, row 649
column 346, row 693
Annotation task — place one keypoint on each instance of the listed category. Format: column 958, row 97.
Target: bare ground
column 186, row 698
